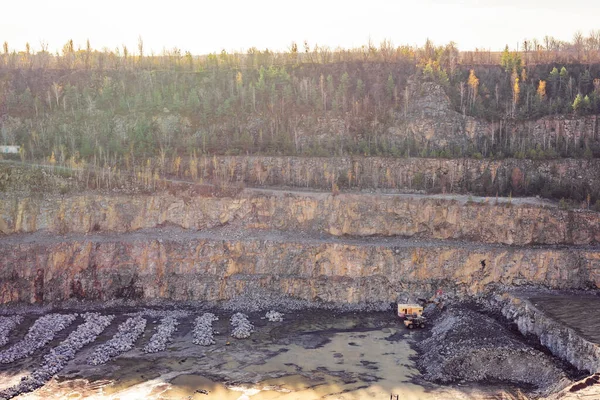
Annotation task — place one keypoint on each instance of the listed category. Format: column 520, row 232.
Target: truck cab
column 409, row 310
column 412, row 314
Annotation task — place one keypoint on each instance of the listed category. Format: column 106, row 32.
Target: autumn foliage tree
column 473, row 83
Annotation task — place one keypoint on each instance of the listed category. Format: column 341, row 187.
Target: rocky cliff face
column 315, row 246
column 562, row 340
column 214, row 265
column 349, row 247
column 520, row 222
column 364, row 173
column 433, row 175
column 431, row 119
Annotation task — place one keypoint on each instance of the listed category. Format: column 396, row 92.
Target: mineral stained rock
column 443, row 217
column 184, row 265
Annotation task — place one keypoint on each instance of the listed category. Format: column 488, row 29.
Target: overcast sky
column 210, row 26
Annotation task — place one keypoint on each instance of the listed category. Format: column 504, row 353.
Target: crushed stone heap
column 468, row 346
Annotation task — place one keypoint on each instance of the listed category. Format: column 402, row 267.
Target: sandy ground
column 311, row 355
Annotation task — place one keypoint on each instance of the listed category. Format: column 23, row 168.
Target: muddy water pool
column 310, row 355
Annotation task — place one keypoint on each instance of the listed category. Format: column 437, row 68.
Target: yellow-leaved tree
column 541, row 90
column 516, row 92
column 473, row 83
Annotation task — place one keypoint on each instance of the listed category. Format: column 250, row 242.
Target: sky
column 202, row 27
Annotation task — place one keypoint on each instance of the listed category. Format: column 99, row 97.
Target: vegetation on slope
column 112, row 109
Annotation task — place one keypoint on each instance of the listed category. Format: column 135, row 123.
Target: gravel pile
column 469, row 346
column 274, row 316
column 59, row 356
column 164, row 332
column 7, row 324
column 146, row 312
column 203, row 333
column 242, row 328
column 129, row 332
column 260, row 299
column 40, row 333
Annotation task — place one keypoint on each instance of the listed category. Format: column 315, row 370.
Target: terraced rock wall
column 180, row 265
column 348, row 247
column 450, row 175
column 518, row 222
column 562, row 340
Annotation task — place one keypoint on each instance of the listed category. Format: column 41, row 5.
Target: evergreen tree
column 506, row 61
column 553, row 79
column 562, row 81
column 585, row 82
column 390, row 87
column 587, row 104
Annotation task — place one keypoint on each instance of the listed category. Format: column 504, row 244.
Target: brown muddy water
column 310, row 355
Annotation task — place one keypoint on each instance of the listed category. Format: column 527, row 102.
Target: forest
column 125, row 107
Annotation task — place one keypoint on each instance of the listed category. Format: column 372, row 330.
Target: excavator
column 412, row 315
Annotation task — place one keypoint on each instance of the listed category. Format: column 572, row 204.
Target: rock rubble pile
column 7, row 324
column 129, row 332
column 147, row 312
column 164, row 332
column 274, row 316
column 41, row 332
column 242, row 328
column 59, row 356
column 203, row 332
column 469, row 346
column 260, row 299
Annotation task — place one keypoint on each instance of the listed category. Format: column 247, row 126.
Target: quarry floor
column 310, row 355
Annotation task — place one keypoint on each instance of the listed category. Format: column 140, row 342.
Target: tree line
column 581, row 49
column 123, row 108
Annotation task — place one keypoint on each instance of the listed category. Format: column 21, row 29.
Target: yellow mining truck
column 412, row 314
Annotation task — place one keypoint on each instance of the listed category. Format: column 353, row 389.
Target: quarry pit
column 512, row 281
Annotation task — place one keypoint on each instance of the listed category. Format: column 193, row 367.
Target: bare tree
column 387, row 50
column 56, row 90
column 593, row 45
column 140, row 49
column 578, row 43
column 526, row 48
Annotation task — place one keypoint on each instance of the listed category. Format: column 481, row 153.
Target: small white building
column 10, row 149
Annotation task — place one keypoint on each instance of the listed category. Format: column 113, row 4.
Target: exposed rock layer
column 451, row 175
column 443, row 217
column 181, row 265
column 432, row 120
column 562, row 340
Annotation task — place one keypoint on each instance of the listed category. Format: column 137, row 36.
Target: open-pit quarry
column 289, row 293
